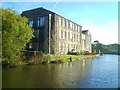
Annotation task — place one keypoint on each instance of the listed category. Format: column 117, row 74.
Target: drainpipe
column 49, row 32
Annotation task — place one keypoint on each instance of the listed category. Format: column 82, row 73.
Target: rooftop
column 84, row 31
column 50, row 12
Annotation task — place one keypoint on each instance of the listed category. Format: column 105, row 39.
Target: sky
column 100, row 18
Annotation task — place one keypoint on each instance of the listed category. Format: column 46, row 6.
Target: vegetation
column 65, row 58
column 115, row 49
column 15, row 35
column 114, row 46
column 99, row 47
column 37, row 59
column 106, row 49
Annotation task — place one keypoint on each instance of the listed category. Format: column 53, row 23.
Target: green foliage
column 114, row 46
column 101, row 47
column 15, row 35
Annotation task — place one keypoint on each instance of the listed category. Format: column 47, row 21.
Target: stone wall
column 86, row 41
column 58, row 34
column 66, row 36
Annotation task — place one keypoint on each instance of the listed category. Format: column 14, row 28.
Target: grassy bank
column 48, row 59
column 78, row 57
column 59, row 58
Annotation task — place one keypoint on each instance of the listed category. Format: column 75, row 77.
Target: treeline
column 106, row 49
column 115, row 49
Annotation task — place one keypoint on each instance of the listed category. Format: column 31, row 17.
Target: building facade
column 53, row 33
column 86, row 41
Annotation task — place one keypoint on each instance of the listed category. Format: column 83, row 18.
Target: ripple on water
column 97, row 73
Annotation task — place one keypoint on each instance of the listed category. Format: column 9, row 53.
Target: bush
column 15, row 35
column 74, row 53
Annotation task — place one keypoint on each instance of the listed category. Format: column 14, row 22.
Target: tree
column 15, row 35
column 103, row 48
column 96, row 42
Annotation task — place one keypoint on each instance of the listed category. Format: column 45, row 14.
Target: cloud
column 106, row 32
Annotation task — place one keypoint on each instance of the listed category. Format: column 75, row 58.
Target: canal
column 100, row 72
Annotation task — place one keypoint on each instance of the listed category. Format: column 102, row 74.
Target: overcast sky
column 101, row 18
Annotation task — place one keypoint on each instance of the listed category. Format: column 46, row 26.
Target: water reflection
column 104, row 73
column 99, row 72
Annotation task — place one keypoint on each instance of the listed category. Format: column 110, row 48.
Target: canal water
column 100, row 72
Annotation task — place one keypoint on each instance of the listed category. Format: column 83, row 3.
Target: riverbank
column 47, row 59
column 52, row 59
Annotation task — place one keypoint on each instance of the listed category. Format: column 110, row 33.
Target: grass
column 54, row 59
column 65, row 58
column 57, row 58
column 0, row 60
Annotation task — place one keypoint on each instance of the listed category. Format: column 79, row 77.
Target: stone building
column 53, row 33
column 86, row 41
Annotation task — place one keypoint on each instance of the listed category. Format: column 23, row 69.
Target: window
column 31, row 23
column 41, row 39
column 70, row 35
column 36, row 33
column 63, row 47
column 66, row 24
column 63, row 22
column 71, row 47
column 59, row 47
column 78, row 38
column 65, row 35
column 70, row 25
column 80, row 29
column 74, row 47
column 73, row 26
column 59, row 21
column 38, row 22
column 41, row 21
column 68, row 47
column 76, row 28
column 73, row 37
column 77, row 48
column 59, row 34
